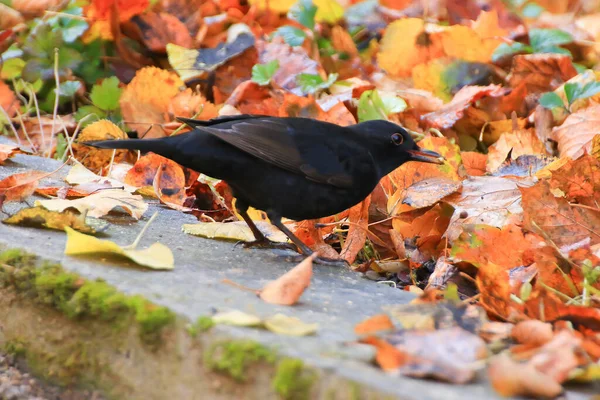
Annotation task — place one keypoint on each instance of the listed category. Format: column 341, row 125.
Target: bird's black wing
column 195, row 123
column 275, row 141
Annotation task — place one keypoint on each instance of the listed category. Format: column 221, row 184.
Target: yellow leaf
column 236, row 318
column 291, row 326
column 279, row 6
column 101, row 203
column 40, row 217
column 157, row 256
column 328, row 11
column 237, row 230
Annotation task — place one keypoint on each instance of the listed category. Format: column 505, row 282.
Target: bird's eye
column 397, row 139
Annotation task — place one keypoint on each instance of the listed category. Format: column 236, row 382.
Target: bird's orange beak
column 427, row 156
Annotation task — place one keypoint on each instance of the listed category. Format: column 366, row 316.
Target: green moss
column 234, row 357
column 79, row 298
column 292, row 381
column 14, row 347
column 202, row 324
column 354, row 389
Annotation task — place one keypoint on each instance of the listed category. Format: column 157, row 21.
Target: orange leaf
column 493, row 284
column 8, row 100
column 287, row 289
column 377, row 323
column 7, row 151
column 510, row 378
column 357, row 234
column 575, row 135
column 388, row 357
column 532, row 332
column 521, row 142
column 541, row 72
column 18, row 187
column 475, row 163
column 102, row 9
column 171, row 179
column 579, row 180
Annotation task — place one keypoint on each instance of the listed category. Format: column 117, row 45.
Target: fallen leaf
column 236, row 318
column 475, row 163
column 157, row 256
column 520, row 142
column 92, row 157
column 18, row 187
column 80, row 175
column 541, row 72
column 568, row 226
column 510, row 378
column 172, row 179
column 376, row 324
column 357, row 234
column 146, row 99
column 445, row 354
column 493, row 283
column 40, row 217
column 8, row 101
column 429, row 191
column 524, row 166
column 237, row 231
column 290, row 326
column 575, row 135
column 532, row 332
column 101, row 203
column 7, row 151
column 287, row 289
column 485, row 200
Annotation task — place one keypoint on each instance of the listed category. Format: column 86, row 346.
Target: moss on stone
column 292, row 381
column 233, row 357
column 202, row 324
column 79, row 298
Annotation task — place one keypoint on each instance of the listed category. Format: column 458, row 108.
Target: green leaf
column 551, row 100
column 571, row 92
column 72, row 28
column 11, row 69
column 370, row 106
column 69, row 88
column 504, row 50
column 304, row 12
column 291, row 35
column 532, row 10
column 262, row 73
column 312, row 83
column 548, row 40
column 106, row 95
column 42, row 41
column 393, row 104
column 589, row 90
column 84, row 111
column 61, row 146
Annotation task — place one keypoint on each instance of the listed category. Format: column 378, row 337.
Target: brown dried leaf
column 287, row 289
column 357, row 234
column 575, row 135
column 18, row 187
column 7, row 151
column 541, row 72
column 521, row 142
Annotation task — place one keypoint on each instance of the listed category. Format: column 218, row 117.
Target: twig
column 137, row 240
column 12, row 127
column 56, row 99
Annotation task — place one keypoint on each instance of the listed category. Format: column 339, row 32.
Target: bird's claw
column 269, row 244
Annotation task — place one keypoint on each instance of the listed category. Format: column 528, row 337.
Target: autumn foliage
column 508, row 228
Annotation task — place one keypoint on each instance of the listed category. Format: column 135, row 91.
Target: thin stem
column 137, row 240
column 12, row 127
column 56, row 99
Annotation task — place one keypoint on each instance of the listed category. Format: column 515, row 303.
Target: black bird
column 297, row 168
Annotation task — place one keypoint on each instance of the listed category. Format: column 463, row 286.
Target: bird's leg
column 260, row 239
column 304, row 249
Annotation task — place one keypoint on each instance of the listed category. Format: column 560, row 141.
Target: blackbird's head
column 391, row 145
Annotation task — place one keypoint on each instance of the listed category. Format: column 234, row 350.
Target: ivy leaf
column 262, row 73
column 551, row 100
column 548, row 40
column 291, row 35
column 106, row 95
column 304, row 12
column 312, row 83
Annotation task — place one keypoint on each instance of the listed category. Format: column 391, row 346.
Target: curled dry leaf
column 94, row 158
column 450, row 113
column 532, row 332
column 510, row 378
column 18, row 187
column 80, row 175
column 521, row 142
column 172, row 179
column 287, row 289
column 449, row 354
column 7, row 151
column 574, row 136
column 100, row 204
column 486, row 200
column 357, row 234
column 157, row 256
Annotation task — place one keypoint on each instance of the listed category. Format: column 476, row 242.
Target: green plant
column 540, row 41
column 573, row 92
